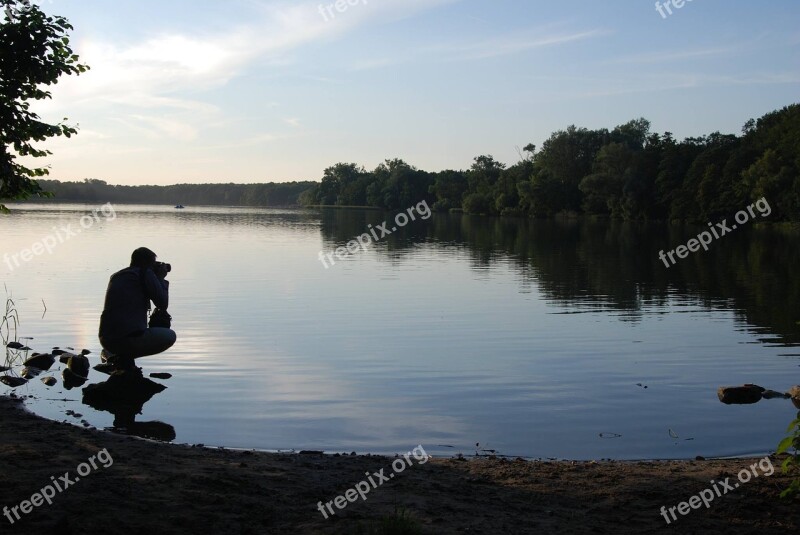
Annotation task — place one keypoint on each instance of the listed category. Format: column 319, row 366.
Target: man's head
column 143, row 258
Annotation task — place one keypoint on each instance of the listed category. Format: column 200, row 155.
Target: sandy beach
column 143, row 486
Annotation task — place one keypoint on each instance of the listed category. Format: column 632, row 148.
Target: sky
column 273, row 91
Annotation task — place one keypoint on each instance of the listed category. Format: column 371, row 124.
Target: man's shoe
column 106, row 356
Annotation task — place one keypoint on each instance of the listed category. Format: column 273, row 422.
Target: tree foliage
column 34, row 53
column 98, row 191
column 626, row 173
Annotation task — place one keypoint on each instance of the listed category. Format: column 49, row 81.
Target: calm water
column 528, row 337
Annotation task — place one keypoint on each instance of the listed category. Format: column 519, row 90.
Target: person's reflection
column 124, row 395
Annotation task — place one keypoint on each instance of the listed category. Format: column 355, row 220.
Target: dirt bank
column 161, row 488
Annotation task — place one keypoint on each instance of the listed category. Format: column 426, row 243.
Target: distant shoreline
column 789, row 225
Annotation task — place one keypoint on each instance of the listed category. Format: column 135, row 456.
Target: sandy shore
column 162, row 488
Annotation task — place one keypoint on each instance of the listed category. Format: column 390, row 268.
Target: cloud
column 157, row 74
column 665, row 57
column 649, row 83
column 513, row 44
column 139, row 96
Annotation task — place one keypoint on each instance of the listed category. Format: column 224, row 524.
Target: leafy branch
column 792, row 463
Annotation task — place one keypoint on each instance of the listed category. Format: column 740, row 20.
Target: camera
column 163, row 267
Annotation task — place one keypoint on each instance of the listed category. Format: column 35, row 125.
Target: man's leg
column 151, row 342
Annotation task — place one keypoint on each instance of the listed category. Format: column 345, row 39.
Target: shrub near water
column 792, row 463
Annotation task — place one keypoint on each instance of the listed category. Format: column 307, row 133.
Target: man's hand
column 160, row 270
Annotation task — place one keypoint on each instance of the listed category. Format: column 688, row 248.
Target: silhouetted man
column 123, row 326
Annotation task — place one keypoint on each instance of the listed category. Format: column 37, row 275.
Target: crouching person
column 124, row 333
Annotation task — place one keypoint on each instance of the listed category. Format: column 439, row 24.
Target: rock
column 772, row 394
column 64, row 357
column 154, row 430
column 13, row 382
column 49, row 380
column 79, row 365
column 86, row 352
column 159, row 375
column 43, row 361
column 740, row 395
column 30, row 373
column 794, row 392
column 71, row 379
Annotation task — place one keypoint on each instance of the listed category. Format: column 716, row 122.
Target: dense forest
column 626, row 173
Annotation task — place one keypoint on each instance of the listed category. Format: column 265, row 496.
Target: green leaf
column 786, row 464
column 784, row 445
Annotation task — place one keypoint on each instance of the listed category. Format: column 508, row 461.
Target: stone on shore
column 740, row 395
column 772, row 394
column 64, row 357
column 42, row 361
column 79, row 365
column 161, row 375
column 12, row 381
column 794, row 392
column 30, row 373
column 49, row 380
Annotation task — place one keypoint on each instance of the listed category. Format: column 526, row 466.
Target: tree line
column 626, row 173
column 99, row 191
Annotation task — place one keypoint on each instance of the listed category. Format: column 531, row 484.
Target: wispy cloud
column 150, row 73
column 505, row 45
column 159, row 87
column 650, row 83
column 666, row 57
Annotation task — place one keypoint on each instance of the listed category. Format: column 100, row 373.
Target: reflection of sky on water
column 415, row 341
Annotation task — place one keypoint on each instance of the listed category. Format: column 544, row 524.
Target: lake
column 542, row 339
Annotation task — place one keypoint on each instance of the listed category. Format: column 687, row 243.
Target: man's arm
column 157, row 289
